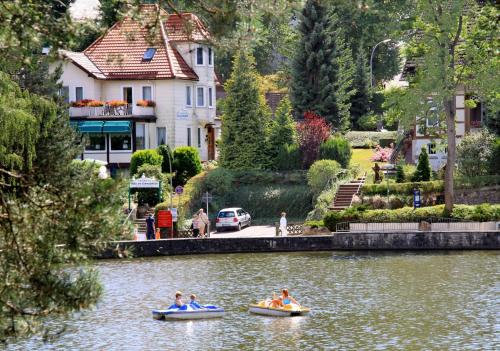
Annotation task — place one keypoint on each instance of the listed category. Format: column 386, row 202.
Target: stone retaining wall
column 488, row 240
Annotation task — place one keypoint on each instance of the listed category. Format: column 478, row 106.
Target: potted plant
column 145, row 107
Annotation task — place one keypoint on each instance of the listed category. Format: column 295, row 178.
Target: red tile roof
column 118, row 54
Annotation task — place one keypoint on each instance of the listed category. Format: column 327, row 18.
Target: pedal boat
column 188, row 312
column 289, row 310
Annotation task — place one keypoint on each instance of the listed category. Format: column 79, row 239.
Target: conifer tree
column 282, row 128
column 360, row 100
column 423, row 171
column 322, row 68
column 245, row 123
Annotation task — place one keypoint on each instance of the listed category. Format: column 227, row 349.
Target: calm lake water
column 360, row 301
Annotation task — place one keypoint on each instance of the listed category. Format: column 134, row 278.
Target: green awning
column 90, row 127
column 73, row 124
column 116, row 127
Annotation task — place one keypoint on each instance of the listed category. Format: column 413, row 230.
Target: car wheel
column 239, row 226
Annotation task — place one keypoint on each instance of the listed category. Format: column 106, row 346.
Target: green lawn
column 362, row 157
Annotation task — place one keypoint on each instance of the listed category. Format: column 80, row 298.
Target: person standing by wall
column 150, row 227
column 283, row 224
column 196, row 225
column 203, row 222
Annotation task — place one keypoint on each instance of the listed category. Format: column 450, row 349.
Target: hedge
column 435, row 186
column 480, row 213
column 370, row 139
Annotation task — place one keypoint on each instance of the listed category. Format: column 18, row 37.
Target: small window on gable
column 199, row 56
column 149, row 54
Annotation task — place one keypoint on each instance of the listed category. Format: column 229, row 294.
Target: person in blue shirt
column 287, row 299
column 150, row 227
column 193, row 302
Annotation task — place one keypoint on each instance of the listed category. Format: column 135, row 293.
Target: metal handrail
column 129, row 214
column 359, row 188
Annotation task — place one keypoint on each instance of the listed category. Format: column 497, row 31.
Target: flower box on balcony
column 146, row 103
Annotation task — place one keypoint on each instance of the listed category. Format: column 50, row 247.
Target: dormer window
column 149, row 54
column 199, row 56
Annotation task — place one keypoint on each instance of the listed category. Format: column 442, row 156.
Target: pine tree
column 423, row 171
column 245, row 126
column 282, row 128
column 360, row 101
column 400, row 173
column 322, row 68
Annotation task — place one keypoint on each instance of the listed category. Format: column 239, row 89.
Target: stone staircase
column 345, row 192
column 141, row 225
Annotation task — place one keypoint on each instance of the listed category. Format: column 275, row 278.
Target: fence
column 428, row 224
column 292, row 228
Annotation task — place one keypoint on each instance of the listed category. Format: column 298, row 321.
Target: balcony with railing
column 93, row 108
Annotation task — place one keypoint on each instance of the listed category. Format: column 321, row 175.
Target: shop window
column 96, row 142
column 161, row 135
column 140, row 136
column 121, row 142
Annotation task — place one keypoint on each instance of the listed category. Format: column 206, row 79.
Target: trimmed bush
column 423, row 172
column 289, row 158
column 402, row 188
column 367, row 140
column 474, row 153
column 480, row 213
column 494, row 166
column 219, row 180
column 400, row 173
column 321, row 173
column 187, row 164
column 338, row 149
column 166, row 153
column 142, row 157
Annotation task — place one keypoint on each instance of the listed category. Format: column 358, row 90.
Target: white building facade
column 135, row 89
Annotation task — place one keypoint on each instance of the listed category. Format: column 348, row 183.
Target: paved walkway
column 257, row 231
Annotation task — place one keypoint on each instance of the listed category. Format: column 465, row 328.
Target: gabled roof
column 186, row 27
column 118, row 54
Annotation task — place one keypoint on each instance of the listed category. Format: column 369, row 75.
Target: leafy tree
column 452, row 55
column 336, row 148
column 282, row 128
column 361, row 99
column 311, row 132
column 474, row 153
column 322, row 67
column 187, row 164
column 423, row 171
column 289, row 158
column 53, row 212
column 245, row 119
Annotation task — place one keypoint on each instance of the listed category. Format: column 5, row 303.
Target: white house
column 147, row 81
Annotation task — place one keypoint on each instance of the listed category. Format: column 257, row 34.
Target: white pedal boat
column 289, row 310
column 189, row 312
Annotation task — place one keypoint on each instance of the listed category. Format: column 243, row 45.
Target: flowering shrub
column 146, row 103
column 95, row 103
column 77, row 104
column 381, row 154
column 87, row 102
column 116, row 103
column 311, row 132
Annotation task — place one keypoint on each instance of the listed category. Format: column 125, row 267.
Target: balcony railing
column 111, row 111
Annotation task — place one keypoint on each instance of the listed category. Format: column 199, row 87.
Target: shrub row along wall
column 338, row 241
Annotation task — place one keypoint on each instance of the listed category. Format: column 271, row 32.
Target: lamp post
column 171, row 190
column 371, row 59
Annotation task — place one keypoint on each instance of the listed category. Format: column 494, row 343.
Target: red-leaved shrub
column 311, row 132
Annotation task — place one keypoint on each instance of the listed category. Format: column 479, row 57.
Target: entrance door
column 211, row 142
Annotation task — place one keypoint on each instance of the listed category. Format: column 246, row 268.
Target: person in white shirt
column 283, row 230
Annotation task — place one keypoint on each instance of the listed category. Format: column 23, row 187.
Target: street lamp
column 371, row 59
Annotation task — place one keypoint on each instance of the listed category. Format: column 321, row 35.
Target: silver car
column 233, row 218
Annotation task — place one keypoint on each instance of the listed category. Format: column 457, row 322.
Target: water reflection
column 374, row 300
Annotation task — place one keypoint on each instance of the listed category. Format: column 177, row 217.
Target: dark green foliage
column 322, row 68
column 282, row 128
column 111, row 11
column 480, row 213
column 361, row 100
column 55, row 213
column 368, row 122
column 166, row 153
column 187, row 163
column 289, row 158
column 423, row 172
column 244, row 143
column 150, row 196
column 219, row 181
column 142, row 157
column 400, row 173
column 494, row 167
column 336, row 148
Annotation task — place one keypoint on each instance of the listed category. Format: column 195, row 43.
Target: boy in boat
column 193, row 302
column 276, row 302
column 178, row 299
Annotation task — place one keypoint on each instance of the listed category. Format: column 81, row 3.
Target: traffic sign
column 179, row 189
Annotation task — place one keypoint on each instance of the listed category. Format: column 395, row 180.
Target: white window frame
column 210, row 59
column 123, row 97
column 202, row 56
column 203, row 95
column 189, row 92
column 85, row 151
column 166, row 136
column 142, row 92
column 143, row 125
column 210, row 96
column 83, row 94
column 121, row 151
